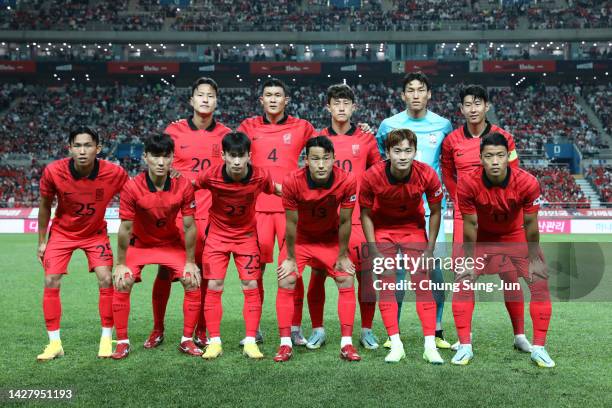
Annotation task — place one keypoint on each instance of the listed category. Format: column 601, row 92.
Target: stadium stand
column 600, row 177
column 559, row 188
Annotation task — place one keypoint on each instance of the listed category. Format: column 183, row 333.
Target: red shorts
column 270, row 225
column 172, row 257
column 503, row 257
column 60, row 248
column 201, row 226
column 320, row 256
column 217, row 253
column 355, row 248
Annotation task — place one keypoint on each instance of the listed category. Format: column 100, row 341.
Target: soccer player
column 392, row 215
column 460, row 155
column 277, row 141
column 500, row 207
column 234, row 186
column 319, row 201
column 83, row 185
column 148, row 235
column 355, row 150
column 197, row 147
column 430, row 129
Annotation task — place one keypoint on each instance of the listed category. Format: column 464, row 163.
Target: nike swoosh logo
column 459, row 154
column 184, row 146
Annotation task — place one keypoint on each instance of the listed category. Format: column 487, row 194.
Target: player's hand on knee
column 122, row 277
column 191, row 275
column 286, row 268
column 468, row 274
column 41, row 252
column 344, row 264
column 537, row 270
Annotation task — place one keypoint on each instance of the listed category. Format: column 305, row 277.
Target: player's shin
column 316, row 298
column 213, row 310
column 159, row 298
column 252, row 313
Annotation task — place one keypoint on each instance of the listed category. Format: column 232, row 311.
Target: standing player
column 460, row 155
column 277, row 141
column 148, row 234
column 319, row 201
column 430, row 129
column 355, row 150
column 197, row 147
column 500, row 209
column 234, row 186
column 392, row 214
column 83, row 185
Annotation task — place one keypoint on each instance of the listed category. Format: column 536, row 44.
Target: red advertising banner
column 15, row 67
column 143, row 68
column 548, row 226
column 15, row 212
column 285, row 68
column 519, row 66
column 425, row 66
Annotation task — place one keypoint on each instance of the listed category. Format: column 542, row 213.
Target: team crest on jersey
column 192, row 205
column 433, row 139
column 538, row 201
column 216, row 150
column 99, row 194
column 355, row 150
column 287, row 138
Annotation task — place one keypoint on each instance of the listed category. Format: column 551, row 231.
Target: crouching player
column 392, row 215
column 318, row 237
column 500, row 212
column 83, row 186
column 148, row 235
column 235, row 186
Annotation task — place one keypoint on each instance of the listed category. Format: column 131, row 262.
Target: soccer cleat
column 106, row 347
column 201, row 342
column 442, row 344
column 541, row 357
column 54, row 349
column 258, row 338
column 189, row 347
column 522, row 344
column 155, row 339
column 395, row 355
column 121, row 351
column 213, row 351
column 349, row 353
column 297, row 338
column 252, row 351
column 432, row 356
column 316, row 340
column 369, row 340
column 387, row 343
column 463, row 356
column 455, row 346
column 284, row 353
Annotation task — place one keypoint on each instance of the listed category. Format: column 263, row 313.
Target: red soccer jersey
column 318, row 206
column 81, row 201
column 499, row 208
column 232, row 214
column 154, row 212
column 355, row 152
column 398, row 204
column 461, row 154
column 196, row 150
column 276, row 148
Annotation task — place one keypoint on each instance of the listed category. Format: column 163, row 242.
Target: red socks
column 346, row 310
column 540, row 310
column 463, row 308
column 121, row 313
column 191, row 310
column 260, row 286
column 366, row 309
column 161, row 294
column 105, row 306
column 316, row 298
column 52, row 308
column 388, row 312
column 284, row 310
column 213, row 310
column 251, row 311
column 201, row 326
column 298, row 302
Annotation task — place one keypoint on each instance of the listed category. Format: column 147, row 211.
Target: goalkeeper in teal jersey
column 430, row 129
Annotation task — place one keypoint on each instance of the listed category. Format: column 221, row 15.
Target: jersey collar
column 245, row 180
column 75, row 174
column 312, row 185
column 466, row 130
column 193, row 126
column 391, row 177
column 350, row 132
column 280, row 122
column 152, row 187
column 488, row 183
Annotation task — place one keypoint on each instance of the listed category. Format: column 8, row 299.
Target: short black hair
column 159, row 145
column 83, row 129
column 270, row 82
column 236, row 142
column 477, row 91
column 320, row 141
column 204, row 81
column 493, row 139
column 340, row 91
column 418, row 76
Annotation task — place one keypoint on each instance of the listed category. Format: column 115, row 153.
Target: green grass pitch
column 579, row 341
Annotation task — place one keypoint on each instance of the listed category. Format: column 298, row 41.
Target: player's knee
column 249, row 284
column 215, row 284
column 53, row 281
column 344, row 281
column 288, row 282
column 105, row 281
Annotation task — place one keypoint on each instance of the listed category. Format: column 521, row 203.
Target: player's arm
column 380, row 138
column 44, row 215
column 532, row 232
column 344, row 234
column 122, row 272
column 191, row 271
column 470, row 230
column 513, row 159
column 448, row 169
column 435, row 218
column 289, row 265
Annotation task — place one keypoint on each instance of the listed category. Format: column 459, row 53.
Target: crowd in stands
column 601, row 178
column 599, row 98
column 559, row 188
column 304, row 15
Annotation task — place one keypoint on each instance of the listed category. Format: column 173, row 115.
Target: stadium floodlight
column 452, row 75
column 182, row 45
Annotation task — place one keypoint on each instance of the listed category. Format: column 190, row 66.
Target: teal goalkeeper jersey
column 430, row 131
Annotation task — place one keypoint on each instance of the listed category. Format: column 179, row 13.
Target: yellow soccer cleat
column 252, row 351
column 442, row 344
column 395, row 355
column 432, row 356
column 387, row 344
column 106, row 347
column 54, row 349
column 213, row 351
